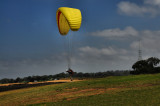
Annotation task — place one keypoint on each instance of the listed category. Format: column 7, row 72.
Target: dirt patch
column 76, row 92
column 13, row 86
column 89, row 92
column 9, row 84
column 84, row 92
column 64, row 81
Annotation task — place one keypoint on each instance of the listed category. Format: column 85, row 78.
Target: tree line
column 79, row 75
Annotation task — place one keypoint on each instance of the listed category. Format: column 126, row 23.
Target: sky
column 30, row 43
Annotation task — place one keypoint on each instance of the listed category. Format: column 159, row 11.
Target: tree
column 153, row 61
column 18, row 79
column 146, row 66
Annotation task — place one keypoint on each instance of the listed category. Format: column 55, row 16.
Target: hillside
column 117, row 90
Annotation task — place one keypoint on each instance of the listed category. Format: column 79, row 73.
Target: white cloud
column 101, row 52
column 97, row 52
column 150, row 41
column 152, row 2
column 106, row 58
column 132, row 9
column 128, row 31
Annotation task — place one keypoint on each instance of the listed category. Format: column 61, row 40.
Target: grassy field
column 120, row 90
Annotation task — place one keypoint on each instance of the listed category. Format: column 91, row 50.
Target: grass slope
column 120, row 90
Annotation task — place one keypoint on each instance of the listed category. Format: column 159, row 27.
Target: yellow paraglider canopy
column 68, row 18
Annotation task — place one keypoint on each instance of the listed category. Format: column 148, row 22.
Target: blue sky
column 108, row 39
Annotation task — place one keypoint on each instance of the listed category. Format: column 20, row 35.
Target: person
column 70, row 72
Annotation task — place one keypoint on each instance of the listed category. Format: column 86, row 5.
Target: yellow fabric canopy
column 68, row 18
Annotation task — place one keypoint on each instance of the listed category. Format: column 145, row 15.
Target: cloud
column 117, row 32
column 105, row 58
column 132, row 9
column 150, row 41
column 88, row 51
column 97, row 52
column 122, row 54
column 152, row 2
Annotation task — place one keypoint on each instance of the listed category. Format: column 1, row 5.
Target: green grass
column 119, row 90
column 138, row 97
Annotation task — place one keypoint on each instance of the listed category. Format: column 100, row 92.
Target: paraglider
column 70, row 72
column 68, row 18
